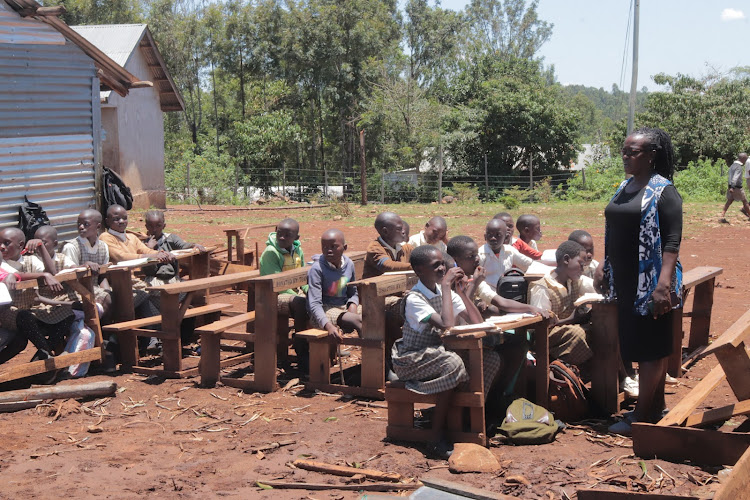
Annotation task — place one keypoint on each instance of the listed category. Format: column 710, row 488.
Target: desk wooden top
column 203, row 283
column 498, row 328
column 388, row 284
column 698, row 275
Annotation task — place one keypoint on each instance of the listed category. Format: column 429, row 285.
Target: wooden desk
column 82, row 283
column 605, row 364
column 540, row 327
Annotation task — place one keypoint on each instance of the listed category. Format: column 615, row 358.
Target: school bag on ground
column 512, row 285
column 114, row 191
column 527, row 423
column 31, row 216
column 567, row 394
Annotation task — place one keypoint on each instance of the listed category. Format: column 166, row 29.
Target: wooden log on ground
column 464, row 490
column 60, row 392
column 627, row 495
column 340, row 470
column 18, row 405
column 346, row 487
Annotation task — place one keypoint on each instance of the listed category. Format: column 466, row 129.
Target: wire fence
column 308, row 185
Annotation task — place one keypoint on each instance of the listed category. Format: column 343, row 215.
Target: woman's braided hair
column 662, row 144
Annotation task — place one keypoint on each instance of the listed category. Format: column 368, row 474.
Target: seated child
column 584, row 239
column 508, row 219
column 407, row 230
column 434, row 233
column 283, row 252
column 557, row 292
column 529, row 232
column 419, row 358
column 162, row 274
column 498, row 258
column 11, row 343
column 88, row 251
column 388, row 252
column 331, row 302
column 124, row 246
column 46, row 331
column 465, row 253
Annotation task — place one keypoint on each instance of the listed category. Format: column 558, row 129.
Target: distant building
column 50, row 116
column 133, row 140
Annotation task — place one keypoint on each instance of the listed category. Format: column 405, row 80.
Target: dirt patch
column 169, row 438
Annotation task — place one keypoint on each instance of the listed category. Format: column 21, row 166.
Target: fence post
column 363, row 171
column 486, row 178
column 531, row 172
column 440, row 174
column 187, row 179
column 583, row 176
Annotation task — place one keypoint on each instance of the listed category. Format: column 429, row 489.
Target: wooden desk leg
column 320, row 362
column 541, row 341
column 229, row 247
column 240, row 250
column 199, row 268
column 674, row 364
column 736, row 364
column 266, row 305
column 210, row 359
column 605, row 344
column 170, row 325
column 703, row 301
column 124, row 310
column 282, row 337
column 373, row 327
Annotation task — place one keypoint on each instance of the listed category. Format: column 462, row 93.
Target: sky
column 676, row 36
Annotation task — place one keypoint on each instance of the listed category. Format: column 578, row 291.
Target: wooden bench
column 401, row 401
column 703, row 280
column 677, row 435
column 211, row 335
column 82, row 283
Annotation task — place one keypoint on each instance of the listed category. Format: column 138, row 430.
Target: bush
column 597, row 182
column 519, row 194
column 509, row 202
column 211, row 177
column 702, row 180
column 463, row 192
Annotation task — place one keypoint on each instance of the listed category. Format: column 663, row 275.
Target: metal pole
column 363, row 168
column 531, row 172
column 634, row 80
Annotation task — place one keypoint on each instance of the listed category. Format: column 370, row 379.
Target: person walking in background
column 735, row 191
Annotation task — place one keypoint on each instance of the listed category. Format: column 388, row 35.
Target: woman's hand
column 599, row 284
column 662, row 300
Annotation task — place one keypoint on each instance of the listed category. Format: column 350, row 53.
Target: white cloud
column 730, row 14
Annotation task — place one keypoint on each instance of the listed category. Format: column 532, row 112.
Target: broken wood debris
column 340, row 470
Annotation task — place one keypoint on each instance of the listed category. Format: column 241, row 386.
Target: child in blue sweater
column 331, row 302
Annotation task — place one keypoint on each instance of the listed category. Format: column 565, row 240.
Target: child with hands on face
column 435, row 304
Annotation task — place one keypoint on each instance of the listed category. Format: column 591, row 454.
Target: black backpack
column 512, row 285
column 114, row 191
column 31, row 216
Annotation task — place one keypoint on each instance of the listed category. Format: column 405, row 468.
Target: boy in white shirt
column 496, row 257
column 434, row 233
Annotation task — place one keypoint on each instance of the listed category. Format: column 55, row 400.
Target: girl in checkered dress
column 419, row 357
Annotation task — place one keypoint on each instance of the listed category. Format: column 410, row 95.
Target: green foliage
column 521, row 195
column 509, row 202
column 702, row 180
column 597, row 182
column 208, row 175
column 463, row 192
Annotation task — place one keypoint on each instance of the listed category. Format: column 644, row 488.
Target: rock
column 448, row 199
column 469, row 457
column 336, row 217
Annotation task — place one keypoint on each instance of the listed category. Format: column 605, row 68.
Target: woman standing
column 641, row 267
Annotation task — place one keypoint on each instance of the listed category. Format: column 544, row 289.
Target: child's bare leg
column 651, row 389
column 726, row 207
column 298, row 311
column 440, row 416
column 351, row 321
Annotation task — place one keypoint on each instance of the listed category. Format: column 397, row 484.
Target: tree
column 100, row 11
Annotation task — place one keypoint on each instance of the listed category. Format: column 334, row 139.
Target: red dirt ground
column 171, row 439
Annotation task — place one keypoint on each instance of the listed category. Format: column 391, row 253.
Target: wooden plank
column 204, row 283
column 460, row 398
column 161, row 372
column 155, row 320
column 698, row 275
column 349, row 390
column 373, row 330
column 464, row 490
column 225, row 324
column 61, row 391
column 541, row 340
column 242, row 337
column 340, row 470
column 703, row 301
column 627, row 495
column 19, row 405
column 701, row 446
column 62, row 361
column 694, row 398
column 718, row 414
column 605, row 343
column 733, row 336
column 736, row 364
column 124, row 310
column 294, row 278
column 210, row 358
column 674, row 362
column 737, row 484
column 345, row 487
column 320, row 362
column 266, row 305
column 171, row 343
column 312, row 334
column 520, row 323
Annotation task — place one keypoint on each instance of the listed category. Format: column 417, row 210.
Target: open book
column 588, row 298
column 477, row 327
column 508, row 318
column 132, row 263
column 5, row 297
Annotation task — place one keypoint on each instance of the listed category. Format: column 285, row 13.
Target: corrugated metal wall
column 46, row 131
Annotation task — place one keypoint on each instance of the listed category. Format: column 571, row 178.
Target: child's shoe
column 623, row 427
column 630, row 387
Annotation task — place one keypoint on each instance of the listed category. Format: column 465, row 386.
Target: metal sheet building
column 50, row 116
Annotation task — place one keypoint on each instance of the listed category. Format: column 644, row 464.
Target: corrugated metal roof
column 17, row 30
column 118, row 41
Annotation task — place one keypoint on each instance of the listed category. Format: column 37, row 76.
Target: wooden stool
column 401, row 402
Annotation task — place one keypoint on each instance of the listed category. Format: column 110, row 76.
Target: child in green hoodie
column 284, row 252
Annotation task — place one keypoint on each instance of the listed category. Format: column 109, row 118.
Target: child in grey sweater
column 331, row 302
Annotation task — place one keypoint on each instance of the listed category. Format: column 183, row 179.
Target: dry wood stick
column 348, row 487
column 270, row 446
column 60, row 392
column 18, row 405
column 340, row 470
